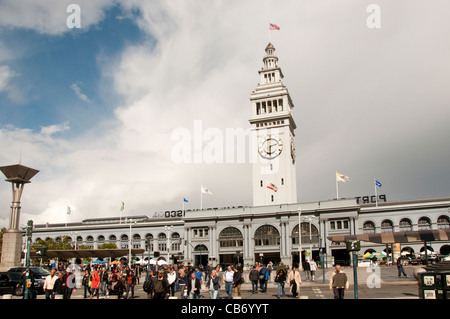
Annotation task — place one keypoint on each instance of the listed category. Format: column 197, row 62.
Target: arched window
column 306, row 238
column 405, row 224
column 124, row 241
column 231, row 237
column 149, row 237
column 267, row 235
column 101, row 239
column 201, row 248
column 112, row 239
column 387, row 226
column 424, row 223
column 176, row 242
column 443, row 222
column 369, row 228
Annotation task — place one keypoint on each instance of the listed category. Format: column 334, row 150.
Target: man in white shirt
column 313, row 268
column 228, row 278
column 49, row 284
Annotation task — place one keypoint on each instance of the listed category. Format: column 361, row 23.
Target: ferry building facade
column 269, row 229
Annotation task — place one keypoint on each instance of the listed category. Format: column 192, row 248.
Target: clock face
column 270, row 147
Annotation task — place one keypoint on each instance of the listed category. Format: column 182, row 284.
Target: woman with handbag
column 294, row 281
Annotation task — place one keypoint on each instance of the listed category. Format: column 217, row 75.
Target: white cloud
column 6, row 74
column 366, row 103
column 76, row 88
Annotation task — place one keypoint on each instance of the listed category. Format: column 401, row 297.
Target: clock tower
column 273, row 149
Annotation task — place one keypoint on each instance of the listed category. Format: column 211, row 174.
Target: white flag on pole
column 205, row 190
column 342, row 178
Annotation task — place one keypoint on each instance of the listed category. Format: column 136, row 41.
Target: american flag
column 273, row 27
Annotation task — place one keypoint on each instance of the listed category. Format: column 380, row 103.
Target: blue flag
column 185, row 200
column 378, row 183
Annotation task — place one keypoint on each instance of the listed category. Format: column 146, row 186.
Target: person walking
column 253, row 277
column 313, row 269
column 104, row 277
column 280, row 279
column 339, row 282
column 307, row 270
column 294, row 279
column 263, row 278
column 213, row 284
column 59, row 286
column 130, row 282
column 194, row 286
column 95, row 287
column 237, row 282
column 400, row 268
column 182, row 282
column 49, row 284
column 171, row 279
column 86, row 283
column 228, row 276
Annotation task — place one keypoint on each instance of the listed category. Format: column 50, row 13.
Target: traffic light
column 29, row 228
column 353, row 245
column 41, row 251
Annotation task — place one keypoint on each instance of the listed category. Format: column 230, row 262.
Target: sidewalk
column 387, row 275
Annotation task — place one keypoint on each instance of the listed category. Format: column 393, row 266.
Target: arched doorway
column 200, row 255
column 267, row 244
column 231, row 243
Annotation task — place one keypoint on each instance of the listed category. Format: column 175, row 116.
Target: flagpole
column 201, row 198
column 337, row 186
column 376, row 193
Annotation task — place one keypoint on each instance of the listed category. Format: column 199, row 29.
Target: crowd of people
column 185, row 282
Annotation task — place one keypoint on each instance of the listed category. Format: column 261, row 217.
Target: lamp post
column 129, row 243
column 300, row 264
column 18, row 175
column 168, row 230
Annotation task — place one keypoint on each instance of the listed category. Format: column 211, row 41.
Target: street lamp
column 168, row 230
column 129, row 243
column 300, row 264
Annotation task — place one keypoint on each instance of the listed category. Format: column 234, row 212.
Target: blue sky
column 94, row 108
column 51, row 67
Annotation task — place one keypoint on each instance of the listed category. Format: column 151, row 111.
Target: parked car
column 39, row 276
column 8, row 283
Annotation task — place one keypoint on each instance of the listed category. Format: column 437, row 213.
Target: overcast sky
column 94, row 108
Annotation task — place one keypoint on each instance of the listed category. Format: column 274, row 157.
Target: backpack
column 159, row 288
column 148, row 283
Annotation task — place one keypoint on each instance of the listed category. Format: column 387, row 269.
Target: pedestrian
column 116, row 285
column 228, row 276
column 294, row 279
column 400, row 268
column 238, row 279
column 161, row 290
column 70, row 283
column 280, row 279
column 95, row 284
column 313, row 269
column 182, row 282
column 263, row 278
column 339, row 282
column 86, row 282
column 49, row 284
column 171, row 279
column 130, row 282
column 307, row 270
column 149, row 284
column 104, row 277
column 213, row 284
column 253, row 277
column 60, row 285
column 199, row 275
column 194, row 287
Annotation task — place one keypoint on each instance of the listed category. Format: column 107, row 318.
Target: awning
column 86, row 253
column 397, row 237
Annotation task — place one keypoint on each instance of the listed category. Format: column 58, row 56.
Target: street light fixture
column 168, row 230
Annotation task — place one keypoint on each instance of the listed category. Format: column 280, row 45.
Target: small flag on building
column 273, row 26
column 342, row 178
column 185, row 200
column 272, row 187
column 68, row 210
column 122, row 207
column 205, row 190
column 378, row 183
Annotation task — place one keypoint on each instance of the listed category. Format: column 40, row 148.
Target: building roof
column 86, row 253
